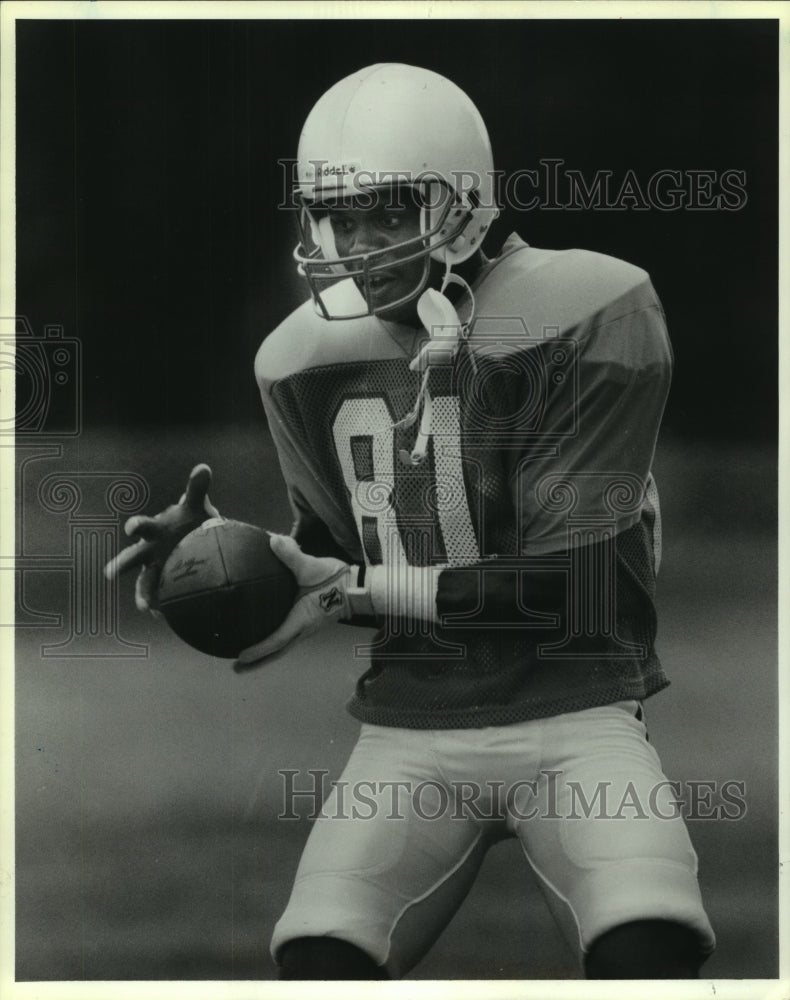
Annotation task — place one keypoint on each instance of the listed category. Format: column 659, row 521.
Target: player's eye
column 389, row 220
column 341, row 223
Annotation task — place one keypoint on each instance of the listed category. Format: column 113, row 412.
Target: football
column 222, row 588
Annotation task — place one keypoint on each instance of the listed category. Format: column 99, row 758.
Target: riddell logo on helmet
column 336, row 170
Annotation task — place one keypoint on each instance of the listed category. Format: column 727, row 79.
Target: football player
column 467, row 445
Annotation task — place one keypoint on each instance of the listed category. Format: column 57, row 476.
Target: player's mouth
column 384, row 288
column 377, row 281
column 380, row 285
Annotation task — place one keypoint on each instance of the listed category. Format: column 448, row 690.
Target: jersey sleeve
column 585, row 471
column 581, row 478
column 313, row 507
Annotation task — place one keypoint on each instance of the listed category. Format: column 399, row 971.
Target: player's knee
column 327, row 958
column 645, row 949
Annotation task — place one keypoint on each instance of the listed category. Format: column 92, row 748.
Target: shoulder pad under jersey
column 559, row 292
column 306, row 340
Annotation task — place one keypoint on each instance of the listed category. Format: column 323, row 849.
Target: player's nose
column 366, row 238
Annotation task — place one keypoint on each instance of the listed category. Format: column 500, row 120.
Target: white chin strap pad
column 325, row 237
column 438, row 315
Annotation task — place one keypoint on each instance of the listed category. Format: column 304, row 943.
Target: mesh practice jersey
column 535, row 491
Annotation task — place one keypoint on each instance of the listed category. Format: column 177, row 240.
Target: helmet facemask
column 443, row 217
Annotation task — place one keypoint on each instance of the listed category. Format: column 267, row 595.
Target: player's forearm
column 491, row 591
column 403, row 591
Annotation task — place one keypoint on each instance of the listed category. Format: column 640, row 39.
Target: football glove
column 327, row 592
column 156, row 537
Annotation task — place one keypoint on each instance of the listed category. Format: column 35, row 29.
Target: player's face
column 387, row 223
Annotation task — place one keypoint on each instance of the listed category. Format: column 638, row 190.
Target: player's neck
column 409, row 321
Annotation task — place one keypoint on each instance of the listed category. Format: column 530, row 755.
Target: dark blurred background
column 148, row 186
column 147, row 795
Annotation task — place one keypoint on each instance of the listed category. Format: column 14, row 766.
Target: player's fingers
column 142, row 525
column 257, row 655
column 209, row 507
column 128, row 558
column 310, row 571
column 291, row 629
column 287, row 550
column 133, row 524
column 146, row 587
column 273, row 644
column 249, row 663
column 242, row 666
column 197, row 487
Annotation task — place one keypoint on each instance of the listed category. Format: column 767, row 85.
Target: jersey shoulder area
column 306, row 340
column 610, row 275
column 570, row 291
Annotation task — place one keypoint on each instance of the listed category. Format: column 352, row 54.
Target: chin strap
column 440, row 318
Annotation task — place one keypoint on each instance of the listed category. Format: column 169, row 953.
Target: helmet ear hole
column 444, row 217
column 457, row 246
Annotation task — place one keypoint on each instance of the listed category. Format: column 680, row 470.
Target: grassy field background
column 147, row 789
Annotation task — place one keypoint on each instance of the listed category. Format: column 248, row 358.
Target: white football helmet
column 392, row 125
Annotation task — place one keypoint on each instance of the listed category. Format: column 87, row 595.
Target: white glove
column 322, row 598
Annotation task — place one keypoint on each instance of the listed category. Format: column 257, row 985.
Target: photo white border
column 10, row 12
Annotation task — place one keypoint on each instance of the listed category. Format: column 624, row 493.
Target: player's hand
column 321, row 599
column 156, row 537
